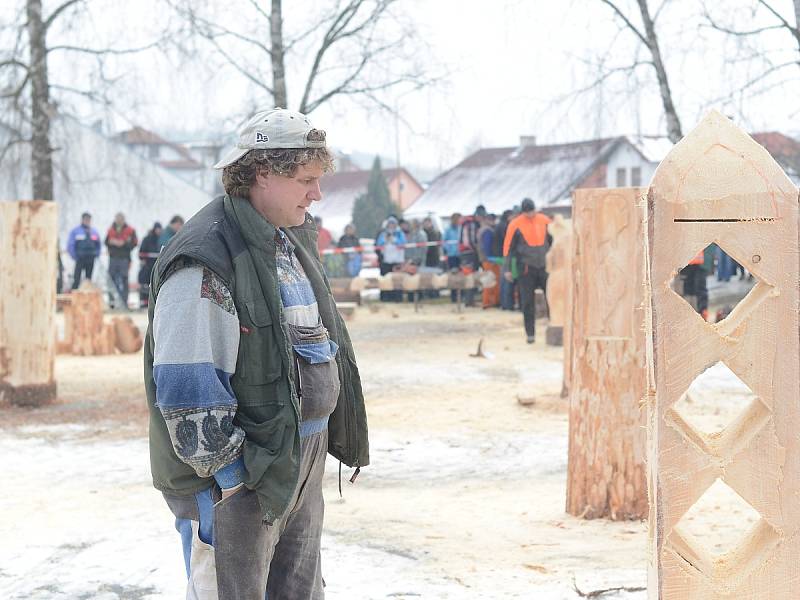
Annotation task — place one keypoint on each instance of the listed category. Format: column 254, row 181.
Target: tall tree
column 26, row 89
column 356, row 48
column 646, row 34
column 771, row 65
column 371, row 208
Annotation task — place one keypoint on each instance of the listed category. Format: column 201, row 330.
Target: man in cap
column 528, row 240
column 250, row 372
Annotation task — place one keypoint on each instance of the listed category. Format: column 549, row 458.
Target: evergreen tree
column 371, row 208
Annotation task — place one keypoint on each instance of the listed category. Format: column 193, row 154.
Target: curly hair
column 239, row 176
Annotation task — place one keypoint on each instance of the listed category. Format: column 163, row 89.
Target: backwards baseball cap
column 274, row 128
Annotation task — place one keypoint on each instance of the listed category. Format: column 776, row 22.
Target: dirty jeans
column 238, row 556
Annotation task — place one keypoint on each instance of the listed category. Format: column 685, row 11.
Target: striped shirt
column 196, row 333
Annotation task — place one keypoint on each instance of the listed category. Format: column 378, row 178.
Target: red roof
column 785, row 150
column 141, row 136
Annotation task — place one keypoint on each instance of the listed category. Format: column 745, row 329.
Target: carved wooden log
column 559, row 269
column 718, row 185
column 606, row 471
column 28, row 265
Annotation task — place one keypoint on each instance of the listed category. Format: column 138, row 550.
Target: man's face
column 86, row 221
column 119, row 219
column 282, row 200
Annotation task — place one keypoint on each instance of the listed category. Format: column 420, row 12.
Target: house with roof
column 499, row 178
column 191, row 161
column 341, row 188
column 102, row 176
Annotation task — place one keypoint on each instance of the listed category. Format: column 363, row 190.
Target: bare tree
column 353, row 48
column 750, row 42
column 647, row 35
column 26, row 88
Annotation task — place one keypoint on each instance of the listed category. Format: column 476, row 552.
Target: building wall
column 404, row 190
column 623, row 165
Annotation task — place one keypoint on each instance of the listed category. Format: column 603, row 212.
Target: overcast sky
column 513, row 68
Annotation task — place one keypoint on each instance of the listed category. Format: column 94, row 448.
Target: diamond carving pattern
column 684, row 286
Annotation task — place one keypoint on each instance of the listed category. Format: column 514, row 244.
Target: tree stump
column 607, row 442
column 719, row 186
column 28, row 268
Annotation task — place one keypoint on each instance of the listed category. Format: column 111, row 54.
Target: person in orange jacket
column 527, row 239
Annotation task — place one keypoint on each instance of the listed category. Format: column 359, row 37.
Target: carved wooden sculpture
column 607, row 441
column 718, row 185
column 28, row 264
column 559, row 269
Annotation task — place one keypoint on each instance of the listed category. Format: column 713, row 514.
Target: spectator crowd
column 84, row 246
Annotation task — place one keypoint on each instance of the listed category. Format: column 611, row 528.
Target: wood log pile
column 87, row 333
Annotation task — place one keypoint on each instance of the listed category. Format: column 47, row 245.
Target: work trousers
column 246, row 559
column 82, row 266
column 694, row 284
column 530, row 279
column 118, row 269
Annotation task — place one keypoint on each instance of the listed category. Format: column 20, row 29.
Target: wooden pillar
column 559, row 269
column 606, row 471
column 718, row 185
column 28, row 266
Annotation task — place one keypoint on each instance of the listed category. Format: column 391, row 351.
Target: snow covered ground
column 463, row 499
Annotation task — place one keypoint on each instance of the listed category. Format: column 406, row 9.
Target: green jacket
column 232, row 239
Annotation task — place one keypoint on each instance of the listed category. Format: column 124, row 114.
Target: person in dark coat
column 148, row 253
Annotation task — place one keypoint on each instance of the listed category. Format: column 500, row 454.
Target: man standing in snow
column 83, row 246
column 250, row 373
column 528, row 240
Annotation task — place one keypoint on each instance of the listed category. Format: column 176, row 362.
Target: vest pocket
column 259, row 360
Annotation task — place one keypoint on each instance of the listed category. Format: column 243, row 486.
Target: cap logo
column 315, row 136
column 261, row 138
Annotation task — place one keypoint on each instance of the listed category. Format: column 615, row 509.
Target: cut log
column 559, row 269
column 86, row 314
column 607, row 442
column 127, row 337
column 28, row 265
column 718, row 185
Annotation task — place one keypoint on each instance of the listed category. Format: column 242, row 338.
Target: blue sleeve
column 71, row 245
column 196, row 335
column 486, row 243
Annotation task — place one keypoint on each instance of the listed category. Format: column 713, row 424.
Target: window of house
column 636, row 176
column 621, row 179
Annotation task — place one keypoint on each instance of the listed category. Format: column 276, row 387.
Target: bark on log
column 28, row 263
column 606, row 471
column 718, row 185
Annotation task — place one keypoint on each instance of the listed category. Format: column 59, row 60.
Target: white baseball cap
column 274, row 128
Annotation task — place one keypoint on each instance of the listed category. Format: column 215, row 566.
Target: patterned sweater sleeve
column 196, row 335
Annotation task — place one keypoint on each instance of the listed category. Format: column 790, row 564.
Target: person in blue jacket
column 83, row 246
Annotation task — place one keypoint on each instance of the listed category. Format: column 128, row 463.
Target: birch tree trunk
column 277, row 55
column 28, row 233
column 41, row 152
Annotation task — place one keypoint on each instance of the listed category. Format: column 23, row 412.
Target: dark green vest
column 232, row 239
